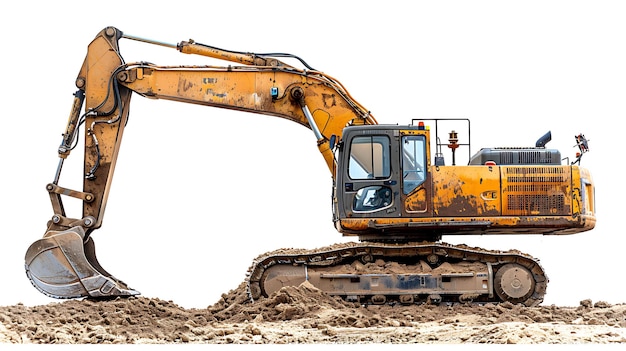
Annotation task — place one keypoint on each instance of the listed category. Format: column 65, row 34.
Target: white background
column 183, row 222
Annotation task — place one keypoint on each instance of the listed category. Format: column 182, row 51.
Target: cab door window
column 370, row 169
column 369, row 158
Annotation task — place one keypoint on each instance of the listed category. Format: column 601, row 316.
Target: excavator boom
column 63, row 263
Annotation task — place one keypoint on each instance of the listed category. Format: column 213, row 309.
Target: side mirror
column 333, row 140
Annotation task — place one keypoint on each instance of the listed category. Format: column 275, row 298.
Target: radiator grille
column 536, row 190
column 525, row 205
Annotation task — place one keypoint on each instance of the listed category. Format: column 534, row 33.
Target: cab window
column 413, row 161
column 369, row 157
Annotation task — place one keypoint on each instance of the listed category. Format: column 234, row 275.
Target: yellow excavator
column 391, row 188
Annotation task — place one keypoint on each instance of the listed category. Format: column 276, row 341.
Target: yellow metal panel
column 588, row 191
column 466, row 191
column 417, row 201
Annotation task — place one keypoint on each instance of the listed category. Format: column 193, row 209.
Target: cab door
column 416, row 182
column 369, row 174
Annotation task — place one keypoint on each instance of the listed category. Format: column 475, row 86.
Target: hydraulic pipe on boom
column 270, row 60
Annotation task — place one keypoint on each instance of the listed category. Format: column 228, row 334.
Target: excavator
column 392, row 188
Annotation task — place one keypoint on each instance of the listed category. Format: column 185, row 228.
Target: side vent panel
column 536, row 191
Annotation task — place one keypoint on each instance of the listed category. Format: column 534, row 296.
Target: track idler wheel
column 61, row 265
column 514, row 283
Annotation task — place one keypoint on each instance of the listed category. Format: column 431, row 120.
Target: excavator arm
column 63, row 263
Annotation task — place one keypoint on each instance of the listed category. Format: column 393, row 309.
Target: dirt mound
column 304, row 314
column 289, row 303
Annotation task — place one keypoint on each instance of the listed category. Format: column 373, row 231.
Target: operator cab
column 380, row 167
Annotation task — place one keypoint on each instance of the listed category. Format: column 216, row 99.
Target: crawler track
column 504, row 271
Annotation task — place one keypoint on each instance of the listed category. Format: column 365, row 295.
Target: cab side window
column 413, row 162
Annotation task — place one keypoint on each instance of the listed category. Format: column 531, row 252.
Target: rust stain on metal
column 211, row 92
column 329, row 100
column 184, row 85
column 416, row 202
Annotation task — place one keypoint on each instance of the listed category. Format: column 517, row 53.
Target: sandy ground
column 305, row 315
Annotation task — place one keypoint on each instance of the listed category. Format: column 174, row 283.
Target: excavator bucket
column 62, row 265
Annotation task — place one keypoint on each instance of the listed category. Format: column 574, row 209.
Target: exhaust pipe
column 544, row 139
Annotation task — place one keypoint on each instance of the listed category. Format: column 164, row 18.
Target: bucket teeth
column 60, row 265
